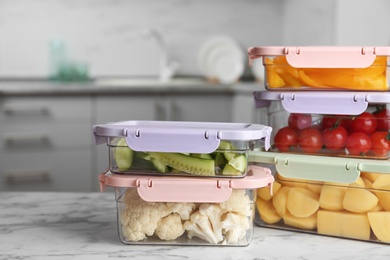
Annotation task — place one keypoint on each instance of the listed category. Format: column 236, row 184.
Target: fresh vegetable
column 302, row 202
column 382, row 116
column 170, row 227
column 359, row 200
column 332, row 121
column 343, row 224
column 380, row 143
column 353, row 210
column 310, row 140
column 123, row 155
column 226, row 222
column 185, row 163
column 299, row 121
column 380, row 225
column 365, row 123
column 286, row 139
column 335, row 138
column 226, row 160
column 216, row 223
column 358, row 144
column 140, row 219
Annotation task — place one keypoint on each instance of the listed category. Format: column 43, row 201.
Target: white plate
column 221, row 58
column 258, row 69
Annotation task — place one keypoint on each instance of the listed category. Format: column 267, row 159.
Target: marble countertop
column 54, row 225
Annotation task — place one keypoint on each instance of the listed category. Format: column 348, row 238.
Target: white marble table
column 50, row 225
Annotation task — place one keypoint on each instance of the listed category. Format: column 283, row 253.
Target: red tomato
column 358, row 143
column 383, row 119
column 299, row 121
column 329, row 121
column 335, row 138
column 380, row 143
column 365, row 123
column 310, row 140
column 286, row 139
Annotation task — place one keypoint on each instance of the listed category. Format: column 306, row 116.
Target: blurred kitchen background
column 106, row 34
column 106, row 39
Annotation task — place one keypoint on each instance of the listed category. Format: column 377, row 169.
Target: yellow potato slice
column 267, row 211
column 380, row 224
column 359, row 200
column 301, row 202
column 279, row 201
column 308, row 223
column 265, row 193
column 343, row 224
column 332, row 197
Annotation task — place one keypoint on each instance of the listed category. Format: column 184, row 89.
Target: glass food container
column 181, row 148
column 339, row 197
column 343, row 124
column 186, row 211
column 324, row 67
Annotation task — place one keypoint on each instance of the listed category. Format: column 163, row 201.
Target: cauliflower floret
column 183, row 209
column 234, row 228
column 206, row 223
column 199, row 225
column 238, row 202
column 170, row 227
column 139, row 218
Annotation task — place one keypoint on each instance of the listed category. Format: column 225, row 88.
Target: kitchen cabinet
column 46, row 140
column 45, row 143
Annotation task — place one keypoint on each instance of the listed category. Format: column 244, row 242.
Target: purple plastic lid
column 183, row 136
column 322, row 102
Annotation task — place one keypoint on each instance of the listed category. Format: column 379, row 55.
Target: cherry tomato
column 299, row 121
column 334, row 120
column 383, row 119
column 380, row 143
column 286, row 139
column 358, row 143
column 365, row 123
column 310, row 140
column 335, row 138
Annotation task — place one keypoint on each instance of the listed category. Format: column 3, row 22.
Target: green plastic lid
column 319, row 168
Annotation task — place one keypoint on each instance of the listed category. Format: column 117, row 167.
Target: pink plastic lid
column 183, row 189
column 322, row 56
column 183, row 136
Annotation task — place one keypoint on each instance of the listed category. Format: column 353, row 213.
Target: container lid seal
column 322, row 56
column 320, row 168
column 317, row 102
column 170, row 136
column 184, row 189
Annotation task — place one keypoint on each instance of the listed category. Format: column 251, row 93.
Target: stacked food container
column 329, row 108
column 184, row 182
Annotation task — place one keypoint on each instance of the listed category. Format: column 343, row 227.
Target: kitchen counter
column 132, row 86
column 54, row 225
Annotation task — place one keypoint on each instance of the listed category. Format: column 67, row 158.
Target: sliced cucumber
column 202, row 155
column 123, row 155
column 220, row 159
column 185, row 163
column 229, row 170
column 161, row 167
column 227, row 149
column 239, row 162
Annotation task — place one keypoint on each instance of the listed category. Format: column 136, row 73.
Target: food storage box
column 181, row 148
column 324, row 67
column 186, row 211
column 346, row 124
column 340, row 197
